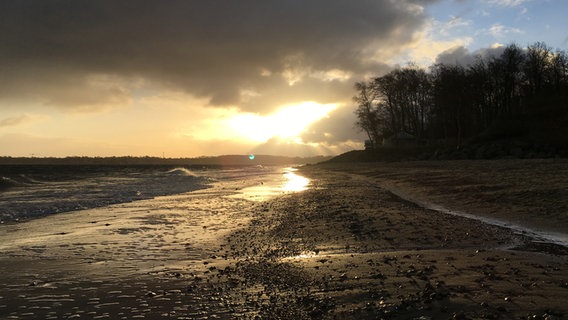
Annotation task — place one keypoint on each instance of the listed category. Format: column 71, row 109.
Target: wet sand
column 346, row 248
column 531, row 192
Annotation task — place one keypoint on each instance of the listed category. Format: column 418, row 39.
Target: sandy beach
column 362, row 242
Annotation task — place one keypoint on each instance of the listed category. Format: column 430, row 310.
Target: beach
column 361, row 241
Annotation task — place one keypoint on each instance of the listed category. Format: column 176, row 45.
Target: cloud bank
column 57, row 52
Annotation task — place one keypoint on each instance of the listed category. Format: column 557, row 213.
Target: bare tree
column 456, row 103
column 368, row 116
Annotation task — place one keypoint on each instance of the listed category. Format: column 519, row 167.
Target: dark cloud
column 337, row 128
column 462, row 56
column 49, row 50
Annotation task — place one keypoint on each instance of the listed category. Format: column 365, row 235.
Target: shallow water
column 35, row 191
column 129, row 259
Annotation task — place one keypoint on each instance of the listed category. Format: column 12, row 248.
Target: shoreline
column 531, row 193
column 539, row 235
column 345, row 248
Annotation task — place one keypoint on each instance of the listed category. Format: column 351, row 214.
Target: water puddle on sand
column 286, row 181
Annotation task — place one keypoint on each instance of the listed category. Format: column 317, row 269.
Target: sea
column 34, row 191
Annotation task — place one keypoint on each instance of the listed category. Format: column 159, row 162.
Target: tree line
column 213, row 161
column 452, row 103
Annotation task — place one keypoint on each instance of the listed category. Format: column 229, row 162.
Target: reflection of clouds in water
column 294, row 182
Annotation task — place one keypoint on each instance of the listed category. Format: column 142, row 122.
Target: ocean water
column 28, row 192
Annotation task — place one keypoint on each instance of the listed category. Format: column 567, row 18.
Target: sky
column 189, row 78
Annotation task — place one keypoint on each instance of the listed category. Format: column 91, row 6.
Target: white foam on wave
column 182, row 172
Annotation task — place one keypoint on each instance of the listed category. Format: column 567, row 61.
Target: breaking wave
column 181, row 172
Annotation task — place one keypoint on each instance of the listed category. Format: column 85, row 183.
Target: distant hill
column 217, row 161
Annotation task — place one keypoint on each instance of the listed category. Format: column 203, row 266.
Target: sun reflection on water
column 267, row 186
column 294, row 182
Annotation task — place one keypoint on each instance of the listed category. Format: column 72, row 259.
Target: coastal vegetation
column 513, row 103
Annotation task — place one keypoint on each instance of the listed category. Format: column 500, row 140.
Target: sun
column 286, row 123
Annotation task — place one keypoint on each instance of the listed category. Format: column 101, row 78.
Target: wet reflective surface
column 143, row 259
column 276, row 183
column 294, row 182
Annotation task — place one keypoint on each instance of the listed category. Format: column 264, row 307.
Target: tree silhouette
column 453, row 104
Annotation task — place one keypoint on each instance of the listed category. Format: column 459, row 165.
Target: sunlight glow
column 294, row 182
column 287, row 123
